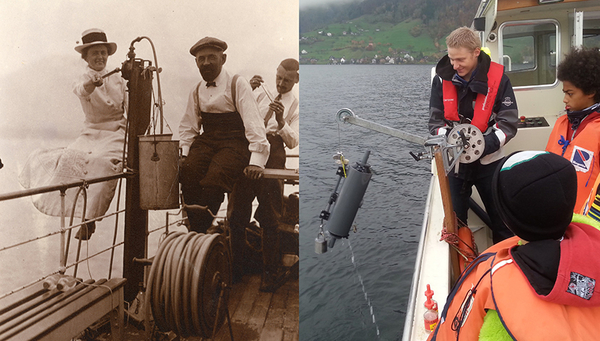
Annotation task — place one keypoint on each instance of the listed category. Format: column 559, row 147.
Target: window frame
column 557, row 28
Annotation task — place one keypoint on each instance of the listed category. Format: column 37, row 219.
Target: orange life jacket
column 592, row 205
column 483, row 103
column 498, row 284
column 582, row 151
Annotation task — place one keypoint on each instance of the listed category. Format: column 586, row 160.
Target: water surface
column 333, row 303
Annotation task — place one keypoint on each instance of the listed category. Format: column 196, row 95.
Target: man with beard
column 222, row 135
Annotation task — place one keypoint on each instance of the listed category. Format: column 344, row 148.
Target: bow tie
column 209, row 84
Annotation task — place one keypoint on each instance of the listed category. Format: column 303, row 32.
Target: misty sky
column 312, row 3
column 39, row 63
column 34, row 29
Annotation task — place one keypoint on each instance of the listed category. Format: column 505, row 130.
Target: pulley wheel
column 475, row 143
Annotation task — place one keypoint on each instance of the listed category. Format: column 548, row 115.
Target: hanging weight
column 320, row 244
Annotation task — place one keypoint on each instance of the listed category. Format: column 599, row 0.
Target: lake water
column 361, row 293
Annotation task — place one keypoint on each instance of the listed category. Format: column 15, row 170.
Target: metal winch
column 464, row 144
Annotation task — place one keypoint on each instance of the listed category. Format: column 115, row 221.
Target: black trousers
column 461, row 188
column 269, row 194
column 214, row 164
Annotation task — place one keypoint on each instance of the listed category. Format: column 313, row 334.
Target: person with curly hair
column 576, row 135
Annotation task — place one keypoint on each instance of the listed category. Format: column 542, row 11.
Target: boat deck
column 255, row 315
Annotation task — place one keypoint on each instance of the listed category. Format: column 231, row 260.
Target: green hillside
column 363, row 39
column 389, row 31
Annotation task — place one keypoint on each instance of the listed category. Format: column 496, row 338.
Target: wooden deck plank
column 292, row 314
column 259, row 311
column 242, row 315
column 277, row 308
column 240, row 303
column 19, row 298
column 235, row 299
column 271, row 334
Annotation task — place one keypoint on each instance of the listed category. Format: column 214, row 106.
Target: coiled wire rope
column 188, row 284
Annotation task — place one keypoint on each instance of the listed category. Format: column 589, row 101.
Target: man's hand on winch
column 253, row 172
column 492, row 144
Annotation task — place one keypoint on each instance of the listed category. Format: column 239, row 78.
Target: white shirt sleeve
column 253, row 123
column 189, row 125
column 290, row 130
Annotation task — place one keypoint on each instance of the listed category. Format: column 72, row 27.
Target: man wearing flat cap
column 222, row 135
column 281, row 117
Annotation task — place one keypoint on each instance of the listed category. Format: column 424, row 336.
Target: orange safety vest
column 582, row 151
column 483, row 103
column 499, row 284
column 592, row 205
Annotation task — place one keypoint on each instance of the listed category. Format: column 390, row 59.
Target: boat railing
column 290, row 177
column 65, row 229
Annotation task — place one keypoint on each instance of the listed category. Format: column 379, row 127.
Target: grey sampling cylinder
column 349, row 200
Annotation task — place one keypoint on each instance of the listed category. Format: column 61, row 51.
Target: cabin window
column 529, row 52
column 591, row 29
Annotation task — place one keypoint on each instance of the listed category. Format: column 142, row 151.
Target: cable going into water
column 362, row 285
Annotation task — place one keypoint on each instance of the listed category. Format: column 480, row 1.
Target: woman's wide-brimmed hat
column 95, row 36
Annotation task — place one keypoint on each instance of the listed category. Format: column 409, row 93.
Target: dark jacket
column 503, row 123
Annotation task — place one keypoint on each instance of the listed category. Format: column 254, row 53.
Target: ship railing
column 64, row 229
column 289, row 176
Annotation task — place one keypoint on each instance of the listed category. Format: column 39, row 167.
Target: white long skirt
column 97, row 152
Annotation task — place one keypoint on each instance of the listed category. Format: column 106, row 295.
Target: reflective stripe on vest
column 483, row 104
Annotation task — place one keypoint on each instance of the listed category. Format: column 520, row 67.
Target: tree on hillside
column 439, row 15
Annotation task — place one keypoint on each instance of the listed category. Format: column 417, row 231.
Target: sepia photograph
column 149, row 170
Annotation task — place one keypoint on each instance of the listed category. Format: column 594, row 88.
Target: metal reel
column 186, row 288
column 473, row 142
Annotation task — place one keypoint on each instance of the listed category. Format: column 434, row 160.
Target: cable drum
column 474, row 142
column 186, row 282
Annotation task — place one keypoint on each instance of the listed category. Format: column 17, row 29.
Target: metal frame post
column 136, row 219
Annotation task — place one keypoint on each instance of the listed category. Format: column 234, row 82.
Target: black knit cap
column 535, row 193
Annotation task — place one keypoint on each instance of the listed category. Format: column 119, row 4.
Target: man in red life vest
column 540, row 284
column 470, row 88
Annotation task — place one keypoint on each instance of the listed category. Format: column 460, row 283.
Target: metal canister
column 320, row 244
column 159, row 173
column 350, row 199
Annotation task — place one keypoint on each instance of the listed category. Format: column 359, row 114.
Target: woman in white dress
column 98, row 151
